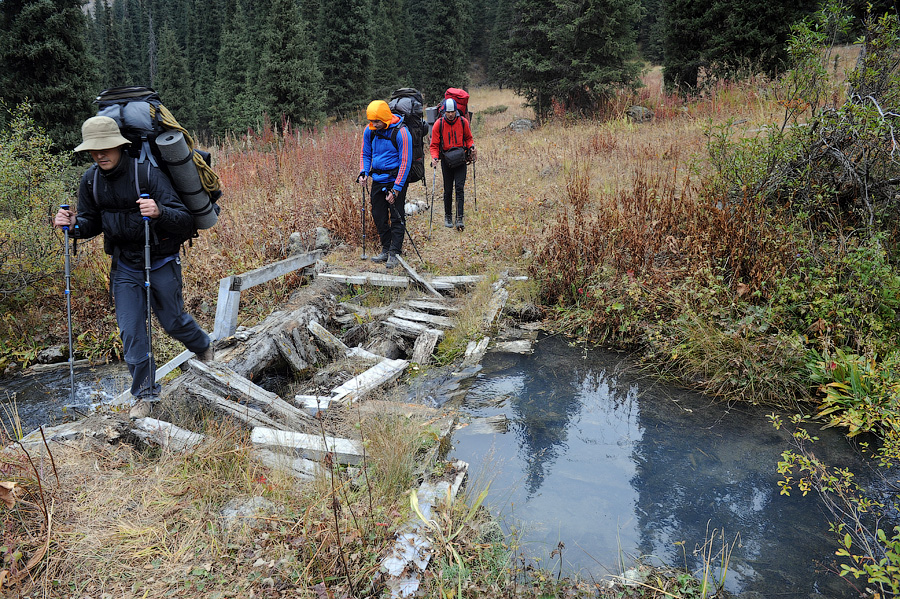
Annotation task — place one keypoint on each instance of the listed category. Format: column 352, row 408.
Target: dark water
column 581, row 449
column 44, row 398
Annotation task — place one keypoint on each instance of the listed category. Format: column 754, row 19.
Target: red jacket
column 446, row 135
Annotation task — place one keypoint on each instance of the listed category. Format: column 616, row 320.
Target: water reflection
column 609, row 463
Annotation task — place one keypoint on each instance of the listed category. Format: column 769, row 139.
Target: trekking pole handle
column 144, row 196
column 64, row 207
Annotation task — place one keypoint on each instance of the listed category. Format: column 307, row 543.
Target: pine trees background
column 226, row 65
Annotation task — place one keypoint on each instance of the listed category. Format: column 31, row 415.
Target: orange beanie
column 378, row 110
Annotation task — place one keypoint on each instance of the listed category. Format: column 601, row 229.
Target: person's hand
column 64, row 218
column 361, row 179
column 474, row 154
column 390, row 197
column 434, row 162
column 148, row 207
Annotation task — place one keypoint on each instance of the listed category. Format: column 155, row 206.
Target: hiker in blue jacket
column 386, row 157
column 109, row 202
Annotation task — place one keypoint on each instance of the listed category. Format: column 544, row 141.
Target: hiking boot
column 141, row 409
column 448, row 221
column 382, row 257
column 392, row 261
column 459, row 223
column 207, row 355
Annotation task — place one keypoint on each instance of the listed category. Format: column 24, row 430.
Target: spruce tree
column 237, row 104
column 347, row 53
column 686, row 35
column 443, row 42
column 290, row 73
column 44, row 58
column 172, row 82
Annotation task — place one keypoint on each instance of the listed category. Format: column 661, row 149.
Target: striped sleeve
column 405, row 158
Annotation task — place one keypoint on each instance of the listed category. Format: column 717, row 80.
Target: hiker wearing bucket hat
column 386, row 156
column 145, row 267
column 453, row 146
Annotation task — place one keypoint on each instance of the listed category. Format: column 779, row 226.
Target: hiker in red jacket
column 452, row 145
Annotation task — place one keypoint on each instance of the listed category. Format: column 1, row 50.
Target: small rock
column 51, row 355
column 245, row 512
column 639, row 114
column 323, row 239
column 521, row 125
column 295, row 244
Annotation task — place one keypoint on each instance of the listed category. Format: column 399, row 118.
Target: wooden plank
column 368, row 278
column 417, row 278
column 246, row 414
column 424, row 347
column 226, row 309
column 333, row 346
column 274, row 270
column 221, row 375
column 376, row 376
column 408, row 327
column 496, row 303
column 457, row 281
column 358, row 353
column 475, row 350
column 441, row 321
column 431, row 305
column 165, row 434
column 297, row 467
column 314, row 447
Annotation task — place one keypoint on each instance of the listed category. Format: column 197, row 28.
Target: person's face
column 379, row 125
column 107, row 159
column 451, row 116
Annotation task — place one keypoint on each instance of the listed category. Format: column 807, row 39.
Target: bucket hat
column 100, row 133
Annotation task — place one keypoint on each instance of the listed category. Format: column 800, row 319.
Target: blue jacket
column 384, row 161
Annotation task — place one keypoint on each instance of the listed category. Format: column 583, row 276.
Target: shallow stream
column 581, row 449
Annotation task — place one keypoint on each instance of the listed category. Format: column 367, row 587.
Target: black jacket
column 115, row 212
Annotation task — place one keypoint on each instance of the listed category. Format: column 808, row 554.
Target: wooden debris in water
column 520, row 346
column 475, row 350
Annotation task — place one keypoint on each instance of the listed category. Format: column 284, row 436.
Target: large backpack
column 157, row 138
column 461, row 97
column 407, row 102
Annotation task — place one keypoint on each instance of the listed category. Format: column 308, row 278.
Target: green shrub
column 31, row 189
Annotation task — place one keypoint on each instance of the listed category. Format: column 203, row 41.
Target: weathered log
column 520, row 346
column 297, row 467
column 285, row 345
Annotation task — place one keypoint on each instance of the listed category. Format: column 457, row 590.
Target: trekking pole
column 147, row 285
column 69, row 313
column 431, row 218
column 475, row 186
column 408, row 234
column 362, row 210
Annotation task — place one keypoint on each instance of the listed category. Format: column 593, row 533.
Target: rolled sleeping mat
column 179, row 159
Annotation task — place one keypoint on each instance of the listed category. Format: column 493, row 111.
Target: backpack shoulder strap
column 93, row 179
column 141, row 178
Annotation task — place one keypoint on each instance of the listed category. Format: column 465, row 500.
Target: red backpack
column 461, row 97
